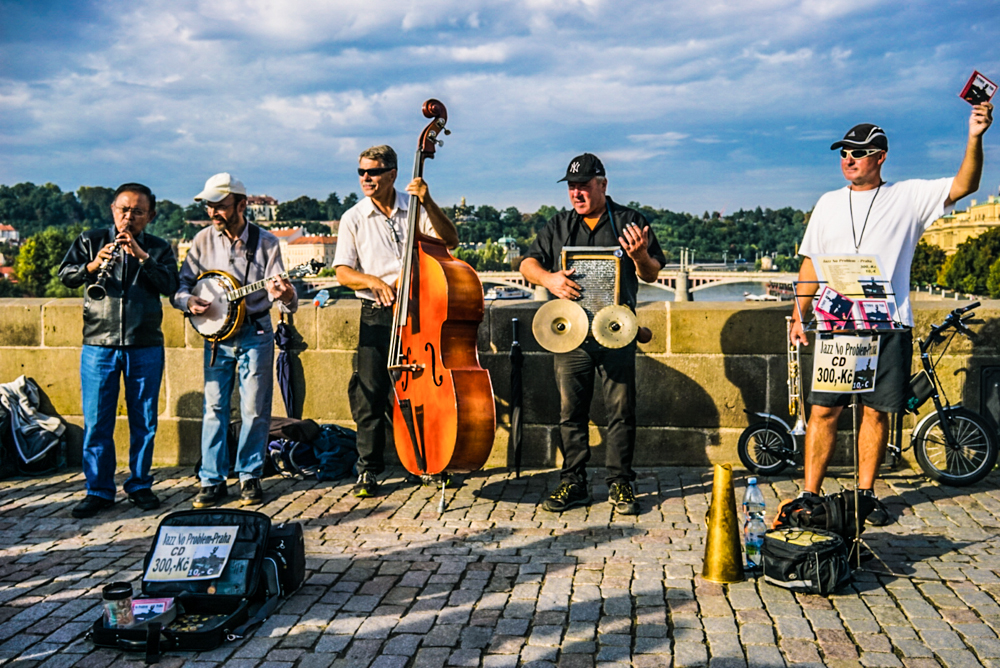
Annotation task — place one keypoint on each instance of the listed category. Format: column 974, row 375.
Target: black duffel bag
column 811, row 561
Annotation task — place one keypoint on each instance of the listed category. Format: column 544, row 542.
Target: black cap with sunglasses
column 863, row 135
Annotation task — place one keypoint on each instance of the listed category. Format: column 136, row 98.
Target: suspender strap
column 611, row 219
column 253, row 238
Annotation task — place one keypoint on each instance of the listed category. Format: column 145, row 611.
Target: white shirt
column 369, row 242
column 900, row 213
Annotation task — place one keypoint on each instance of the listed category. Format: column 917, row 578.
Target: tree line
column 48, row 220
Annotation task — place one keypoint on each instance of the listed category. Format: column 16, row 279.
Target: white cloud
column 289, row 92
column 662, row 140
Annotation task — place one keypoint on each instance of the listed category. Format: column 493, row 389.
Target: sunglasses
column 858, row 153
column 374, row 171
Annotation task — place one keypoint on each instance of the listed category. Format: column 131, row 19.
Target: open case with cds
column 213, row 565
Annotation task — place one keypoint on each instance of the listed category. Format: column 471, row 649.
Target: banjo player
column 250, row 254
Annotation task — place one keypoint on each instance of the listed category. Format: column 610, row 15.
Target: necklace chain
column 850, row 206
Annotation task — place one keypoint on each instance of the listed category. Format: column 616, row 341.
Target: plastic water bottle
column 753, row 500
column 321, row 298
column 753, row 527
column 753, row 536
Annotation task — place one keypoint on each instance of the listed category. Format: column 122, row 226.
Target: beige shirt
column 212, row 249
column 369, row 242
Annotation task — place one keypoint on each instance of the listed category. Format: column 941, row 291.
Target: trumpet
column 795, row 404
column 96, row 291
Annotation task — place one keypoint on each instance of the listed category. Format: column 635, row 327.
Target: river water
column 726, row 292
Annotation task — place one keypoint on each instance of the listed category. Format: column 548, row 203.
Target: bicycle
column 953, row 445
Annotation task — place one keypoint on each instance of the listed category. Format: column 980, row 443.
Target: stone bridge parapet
column 707, row 364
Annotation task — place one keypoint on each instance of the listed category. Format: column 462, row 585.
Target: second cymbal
column 615, row 326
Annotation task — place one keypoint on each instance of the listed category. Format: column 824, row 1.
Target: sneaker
column 144, row 499
column 622, row 498
column 250, row 492
column 211, row 495
column 90, row 506
column 881, row 516
column 568, row 495
column 366, row 485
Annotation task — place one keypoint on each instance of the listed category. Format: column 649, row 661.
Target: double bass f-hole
column 438, row 380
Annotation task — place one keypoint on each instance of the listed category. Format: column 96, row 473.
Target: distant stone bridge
column 667, row 280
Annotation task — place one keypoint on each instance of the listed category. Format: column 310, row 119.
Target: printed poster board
column 854, row 294
column 190, row 553
column 845, row 364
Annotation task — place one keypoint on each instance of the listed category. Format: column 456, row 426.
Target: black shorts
column 891, row 379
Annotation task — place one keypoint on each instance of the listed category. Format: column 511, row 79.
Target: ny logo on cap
column 575, row 167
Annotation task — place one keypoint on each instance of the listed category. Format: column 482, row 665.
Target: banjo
column 227, row 311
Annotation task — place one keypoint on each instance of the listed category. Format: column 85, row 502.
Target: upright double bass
column 444, row 417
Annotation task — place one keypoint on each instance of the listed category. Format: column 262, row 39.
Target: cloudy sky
column 693, row 106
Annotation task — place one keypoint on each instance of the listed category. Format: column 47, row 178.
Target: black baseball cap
column 582, row 168
column 862, row 135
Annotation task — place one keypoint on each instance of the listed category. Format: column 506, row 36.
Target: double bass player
column 370, row 248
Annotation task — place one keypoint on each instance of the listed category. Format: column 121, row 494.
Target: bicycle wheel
column 968, row 459
column 765, row 448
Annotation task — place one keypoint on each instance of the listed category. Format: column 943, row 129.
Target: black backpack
column 805, row 560
column 833, row 513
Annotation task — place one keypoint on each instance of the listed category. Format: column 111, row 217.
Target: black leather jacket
column 131, row 313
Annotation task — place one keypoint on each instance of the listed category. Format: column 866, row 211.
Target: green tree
column 467, row 255
column 927, row 262
column 993, row 280
column 95, row 204
column 8, row 289
column 315, row 228
column 969, row 268
column 30, row 208
column 38, row 262
column 302, row 208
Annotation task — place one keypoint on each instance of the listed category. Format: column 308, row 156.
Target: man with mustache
column 250, row 254
column 369, row 257
column 121, row 339
column 594, row 221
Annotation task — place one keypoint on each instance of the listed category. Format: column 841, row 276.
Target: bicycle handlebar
column 955, row 319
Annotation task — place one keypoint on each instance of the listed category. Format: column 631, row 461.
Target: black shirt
column 567, row 228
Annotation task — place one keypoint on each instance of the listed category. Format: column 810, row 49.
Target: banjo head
column 220, row 318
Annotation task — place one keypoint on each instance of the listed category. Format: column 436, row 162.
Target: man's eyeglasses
column 216, row 206
column 374, row 171
column 858, row 153
column 126, row 210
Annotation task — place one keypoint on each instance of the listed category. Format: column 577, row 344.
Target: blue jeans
column 249, row 355
column 100, row 371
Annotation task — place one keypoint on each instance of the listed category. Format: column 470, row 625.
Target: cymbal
column 560, row 326
column 615, row 326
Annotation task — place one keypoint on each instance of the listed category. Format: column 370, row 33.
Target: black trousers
column 370, row 388
column 575, row 374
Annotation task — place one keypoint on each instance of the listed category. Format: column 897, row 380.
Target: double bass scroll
column 444, row 417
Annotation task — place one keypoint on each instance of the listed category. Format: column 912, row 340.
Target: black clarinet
column 96, row 291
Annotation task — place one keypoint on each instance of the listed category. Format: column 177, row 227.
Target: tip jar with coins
column 118, row 605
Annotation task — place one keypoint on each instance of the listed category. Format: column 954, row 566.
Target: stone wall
column 707, row 363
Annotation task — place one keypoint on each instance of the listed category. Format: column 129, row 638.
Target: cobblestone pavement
column 497, row 582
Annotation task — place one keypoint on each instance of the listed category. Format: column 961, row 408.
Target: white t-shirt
column 900, row 213
column 369, row 242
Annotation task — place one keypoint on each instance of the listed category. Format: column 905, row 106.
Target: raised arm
column 971, row 170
